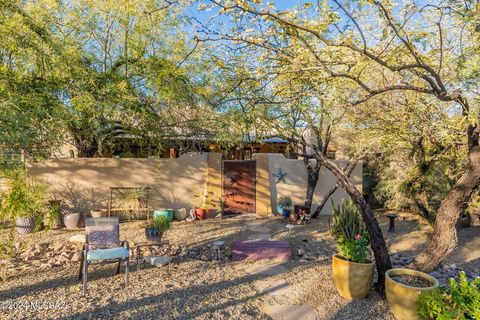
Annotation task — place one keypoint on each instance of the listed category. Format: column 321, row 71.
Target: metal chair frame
column 84, row 263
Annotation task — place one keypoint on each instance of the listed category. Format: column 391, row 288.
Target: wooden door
column 239, row 180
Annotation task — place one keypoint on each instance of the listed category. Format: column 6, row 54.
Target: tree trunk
column 312, row 180
column 379, row 247
column 444, row 237
column 422, row 207
column 324, row 201
column 331, row 192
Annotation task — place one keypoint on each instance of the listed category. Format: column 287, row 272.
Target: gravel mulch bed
column 191, row 288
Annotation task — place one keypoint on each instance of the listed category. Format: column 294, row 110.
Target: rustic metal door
column 239, row 180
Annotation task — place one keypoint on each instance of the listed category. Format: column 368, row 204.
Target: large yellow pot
column 402, row 298
column 353, row 280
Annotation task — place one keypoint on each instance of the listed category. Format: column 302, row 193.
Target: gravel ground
column 194, row 289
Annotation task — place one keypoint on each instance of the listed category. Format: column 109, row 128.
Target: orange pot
column 200, row 213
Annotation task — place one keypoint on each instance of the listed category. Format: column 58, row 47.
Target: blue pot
column 153, row 235
column 286, row 213
column 279, row 209
column 167, row 213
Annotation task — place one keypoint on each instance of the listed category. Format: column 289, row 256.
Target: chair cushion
column 103, row 236
column 105, row 254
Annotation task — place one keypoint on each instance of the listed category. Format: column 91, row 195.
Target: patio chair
column 102, row 245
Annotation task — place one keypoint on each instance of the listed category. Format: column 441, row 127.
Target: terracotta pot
column 201, row 213
column 24, row 225
column 353, row 280
column 402, row 298
column 98, row 213
column 70, row 220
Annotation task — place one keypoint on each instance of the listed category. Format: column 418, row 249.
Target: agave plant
column 347, row 226
column 346, row 221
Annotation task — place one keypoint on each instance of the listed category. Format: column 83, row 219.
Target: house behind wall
column 84, row 183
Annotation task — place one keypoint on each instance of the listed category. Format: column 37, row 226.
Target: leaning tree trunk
column 444, row 237
column 379, row 247
column 327, row 196
column 331, row 192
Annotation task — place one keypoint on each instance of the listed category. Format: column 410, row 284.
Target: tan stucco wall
column 295, row 186
column 84, row 182
column 263, row 200
column 214, row 177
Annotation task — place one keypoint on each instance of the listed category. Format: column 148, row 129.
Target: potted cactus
column 352, row 270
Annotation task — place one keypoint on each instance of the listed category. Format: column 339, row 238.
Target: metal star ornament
column 280, row 176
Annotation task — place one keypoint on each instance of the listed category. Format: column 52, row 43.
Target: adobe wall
column 84, row 183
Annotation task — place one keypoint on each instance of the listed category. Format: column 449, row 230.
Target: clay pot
column 180, row 214
column 402, row 298
column 353, row 280
column 70, row 220
column 24, row 225
column 98, row 213
column 200, row 213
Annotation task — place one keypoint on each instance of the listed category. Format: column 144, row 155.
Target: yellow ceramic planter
column 402, row 298
column 352, row 280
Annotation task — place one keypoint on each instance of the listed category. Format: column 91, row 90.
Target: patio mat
column 254, row 250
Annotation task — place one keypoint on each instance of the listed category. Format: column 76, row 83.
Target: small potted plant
column 204, row 203
column 156, row 227
column 284, row 205
column 25, row 203
column 352, row 270
column 54, row 214
column 403, row 287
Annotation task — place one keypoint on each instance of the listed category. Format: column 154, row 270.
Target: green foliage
column 7, row 248
column 206, row 200
column 133, row 201
column 25, row 198
column 474, row 204
column 459, row 301
column 159, row 223
column 353, row 250
column 285, row 202
column 348, row 228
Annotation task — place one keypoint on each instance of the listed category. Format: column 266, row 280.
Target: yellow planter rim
column 412, row 272
column 338, row 257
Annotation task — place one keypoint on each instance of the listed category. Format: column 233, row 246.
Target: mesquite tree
column 380, row 49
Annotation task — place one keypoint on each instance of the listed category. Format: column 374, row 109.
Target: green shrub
column 347, row 226
column 457, row 302
column 159, row 223
column 24, row 198
column 285, row 202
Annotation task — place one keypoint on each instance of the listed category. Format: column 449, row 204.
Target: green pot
column 167, row 213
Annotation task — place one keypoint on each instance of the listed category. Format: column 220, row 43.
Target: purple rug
column 261, row 249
